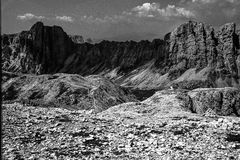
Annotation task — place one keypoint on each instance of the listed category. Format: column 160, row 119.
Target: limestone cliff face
column 42, row 49
column 191, row 45
column 195, row 45
column 209, row 52
column 211, row 56
column 51, row 50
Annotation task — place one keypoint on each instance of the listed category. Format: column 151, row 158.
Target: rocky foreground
column 161, row 127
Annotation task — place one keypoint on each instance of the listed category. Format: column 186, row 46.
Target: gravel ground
column 55, row 133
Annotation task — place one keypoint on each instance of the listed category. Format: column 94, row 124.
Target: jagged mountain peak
column 211, row 56
column 37, row 25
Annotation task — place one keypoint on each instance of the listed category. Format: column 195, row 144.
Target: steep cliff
column 193, row 55
column 50, row 50
column 42, row 49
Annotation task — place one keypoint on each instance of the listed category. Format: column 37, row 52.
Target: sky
column 118, row 20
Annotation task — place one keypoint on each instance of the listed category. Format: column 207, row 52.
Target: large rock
column 223, row 101
column 65, row 90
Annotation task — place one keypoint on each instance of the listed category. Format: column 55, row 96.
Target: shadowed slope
column 65, row 90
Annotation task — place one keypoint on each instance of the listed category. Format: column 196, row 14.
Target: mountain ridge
column 194, row 53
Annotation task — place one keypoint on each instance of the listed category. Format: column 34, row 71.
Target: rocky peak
column 192, row 45
column 195, row 44
column 37, row 26
column 44, row 48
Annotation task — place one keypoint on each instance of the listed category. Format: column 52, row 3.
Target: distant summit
column 79, row 39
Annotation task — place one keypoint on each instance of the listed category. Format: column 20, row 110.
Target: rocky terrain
column 176, row 98
column 71, row 91
column 171, row 124
column 127, row 131
column 210, row 56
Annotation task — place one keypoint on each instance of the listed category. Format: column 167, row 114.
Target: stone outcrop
column 212, row 57
column 166, row 103
column 223, row 101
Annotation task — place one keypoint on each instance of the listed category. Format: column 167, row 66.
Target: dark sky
column 116, row 19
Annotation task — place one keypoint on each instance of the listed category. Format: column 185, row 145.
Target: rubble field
column 54, row 133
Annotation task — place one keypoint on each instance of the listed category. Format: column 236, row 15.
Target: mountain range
column 46, row 66
column 171, row 98
column 192, row 55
